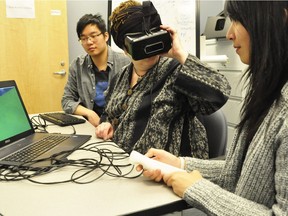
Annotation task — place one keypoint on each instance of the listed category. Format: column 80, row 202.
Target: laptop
column 19, row 143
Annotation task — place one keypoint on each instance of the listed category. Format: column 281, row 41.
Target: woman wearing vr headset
column 153, row 101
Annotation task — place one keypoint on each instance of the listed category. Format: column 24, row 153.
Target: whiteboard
column 179, row 14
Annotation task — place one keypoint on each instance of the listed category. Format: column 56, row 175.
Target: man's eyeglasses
column 92, row 37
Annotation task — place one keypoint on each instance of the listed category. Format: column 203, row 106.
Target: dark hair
column 266, row 24
column 90, row 19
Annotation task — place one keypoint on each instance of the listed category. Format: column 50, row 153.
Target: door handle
column 61, row 72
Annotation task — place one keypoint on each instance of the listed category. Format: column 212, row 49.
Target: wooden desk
column 105, row 196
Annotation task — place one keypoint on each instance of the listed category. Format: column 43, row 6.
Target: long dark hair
column 266, row 24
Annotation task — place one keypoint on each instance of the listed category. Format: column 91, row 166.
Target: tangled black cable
column 104, row 162
column 40, row 125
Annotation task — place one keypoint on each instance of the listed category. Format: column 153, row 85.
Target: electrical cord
column 40, row 125
column 104, row 162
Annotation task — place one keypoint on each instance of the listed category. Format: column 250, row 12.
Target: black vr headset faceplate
column 141, row 46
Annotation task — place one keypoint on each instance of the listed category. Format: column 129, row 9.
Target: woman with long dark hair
column 253, row 179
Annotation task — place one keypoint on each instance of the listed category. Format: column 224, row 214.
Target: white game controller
column 150, row 164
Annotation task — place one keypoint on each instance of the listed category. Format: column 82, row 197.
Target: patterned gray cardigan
column 256, row 186
column 159, row 110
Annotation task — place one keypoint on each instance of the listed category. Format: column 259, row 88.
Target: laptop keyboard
column 33, row 151
column 62, row 119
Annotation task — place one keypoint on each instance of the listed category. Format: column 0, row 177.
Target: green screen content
column 13, row 120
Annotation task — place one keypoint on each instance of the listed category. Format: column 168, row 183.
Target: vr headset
column 149, row 42
column 142, row 46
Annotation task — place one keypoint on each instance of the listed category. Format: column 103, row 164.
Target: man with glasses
column 89, row 74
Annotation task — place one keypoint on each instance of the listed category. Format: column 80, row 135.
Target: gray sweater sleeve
column 218, row 201
column 212, row 196
column 210, row 169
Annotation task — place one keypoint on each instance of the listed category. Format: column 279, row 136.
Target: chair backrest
column 217, row 130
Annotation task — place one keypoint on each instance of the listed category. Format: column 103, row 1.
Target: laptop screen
column 14, row 123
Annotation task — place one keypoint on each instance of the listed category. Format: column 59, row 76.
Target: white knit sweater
column 259, row 185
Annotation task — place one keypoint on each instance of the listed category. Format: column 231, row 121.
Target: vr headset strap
column 147, row 7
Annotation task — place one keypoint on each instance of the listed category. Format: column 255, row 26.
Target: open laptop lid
column 14, row 122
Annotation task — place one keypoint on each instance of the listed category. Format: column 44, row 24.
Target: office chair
column 217, row 130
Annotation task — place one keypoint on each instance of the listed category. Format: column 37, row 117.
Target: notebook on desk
column 19, row 143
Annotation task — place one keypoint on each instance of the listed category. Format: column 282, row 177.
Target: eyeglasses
column 92, row 37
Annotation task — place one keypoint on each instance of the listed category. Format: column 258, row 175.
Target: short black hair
column 88, row 19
